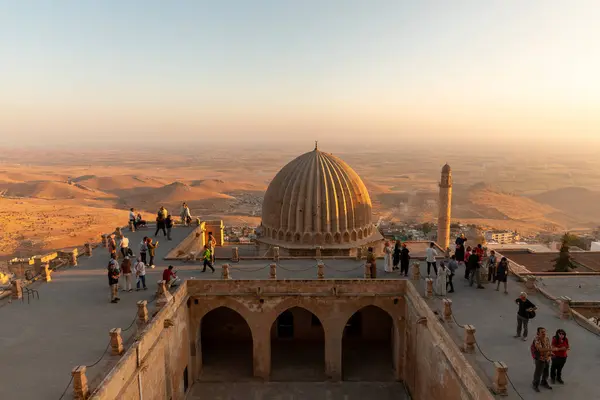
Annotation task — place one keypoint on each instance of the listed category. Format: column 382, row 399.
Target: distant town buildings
column 501, row 237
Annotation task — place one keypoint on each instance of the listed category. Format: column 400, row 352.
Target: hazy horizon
column 346, row 73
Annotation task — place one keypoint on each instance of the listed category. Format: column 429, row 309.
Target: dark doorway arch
column 367, row 346
column 297, row 346
column 226, row 346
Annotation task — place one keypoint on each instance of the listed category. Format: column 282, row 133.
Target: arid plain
column 519, row 190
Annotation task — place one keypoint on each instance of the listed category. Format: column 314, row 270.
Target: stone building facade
column 315, row 330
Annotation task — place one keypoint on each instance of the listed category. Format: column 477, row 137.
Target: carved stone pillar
column 273, row 271
column 163, row 296
column 225, row 272
column 16, row 289
column 416, row 271
column 73, row 258
column 318, row 253
column 564, row 305
column 116, row 341
column 358, row 253
column 235, row 254
column 142, row 313
column 46, row 272
column 80, row 383
column 88, row 249
column 276, row 254
column 500, row 379
column 320, row 271
column 530, row 284
column 469, row 345
column 428, row 288
column 447, row 310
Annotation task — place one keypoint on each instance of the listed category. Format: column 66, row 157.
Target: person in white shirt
column 140, row 273
column 132, row 218
column 124, row 246
column 431, row 254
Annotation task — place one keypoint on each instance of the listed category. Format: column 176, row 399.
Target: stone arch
column 337, row 238
column 368, row 349
column 307, row 238
column 360, row 234
column 297, row 345
column 288, row 237
column 328, row 238
column 346, row 237
column 280, row 237
column 268, row 232
column 274, row 234
column 297, row 238
column 366, row 232
column 353, row 236
column 225, row 344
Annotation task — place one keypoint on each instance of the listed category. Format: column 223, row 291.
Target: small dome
column 317, row 199
column 446, row 169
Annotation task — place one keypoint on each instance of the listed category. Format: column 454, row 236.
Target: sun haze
column 146, row 70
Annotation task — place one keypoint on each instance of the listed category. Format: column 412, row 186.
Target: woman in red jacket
column 560, row 347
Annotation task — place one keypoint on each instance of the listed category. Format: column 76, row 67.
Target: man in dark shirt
column 473, row 265
column 523, row 315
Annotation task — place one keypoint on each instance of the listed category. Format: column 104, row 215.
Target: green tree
column 427, row 227
column 564, row 261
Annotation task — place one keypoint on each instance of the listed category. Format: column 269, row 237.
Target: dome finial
column 316, row 145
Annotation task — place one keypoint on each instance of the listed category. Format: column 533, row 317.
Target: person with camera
column 524, row 314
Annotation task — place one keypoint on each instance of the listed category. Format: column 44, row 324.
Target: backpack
column 534, row 352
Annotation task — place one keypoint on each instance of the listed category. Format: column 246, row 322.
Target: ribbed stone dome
column 317, row 199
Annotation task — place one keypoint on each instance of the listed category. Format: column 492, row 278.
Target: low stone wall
column 153, row 367
column 424, row 356
column 435, row 368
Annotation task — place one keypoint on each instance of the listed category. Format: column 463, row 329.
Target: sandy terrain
column 49, row 202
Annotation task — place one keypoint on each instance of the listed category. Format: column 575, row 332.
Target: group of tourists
column 397, row 258
column 549, row 356
column 126, row 269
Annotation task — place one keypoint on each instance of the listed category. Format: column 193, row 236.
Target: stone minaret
column 445, row 205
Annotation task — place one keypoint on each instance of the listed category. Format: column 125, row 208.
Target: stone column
column 46, row 272
column 116, row 342
column 88, row 249
column 225, row 272
column 447, row 310
column 273, row 271
column 416, row 271
column 142, row 313
column 368, row 271
column 73, row 258
column 333, row 355
column 163, row 296
column 530, row 284
column 318, row 253
column 428, row 288
column 500, row 381
column 80, row 383
column 469, row 345
column 261, row 352
column 564, row 305
column 235, row 254
column 276, row 254
column 16, row 289
column 320, row 271
column 104, row 240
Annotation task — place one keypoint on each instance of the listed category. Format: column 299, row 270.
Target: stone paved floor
column 298, row 391
column 578, row 288
column 69, row 325
column 494, row 316
column 41, row 342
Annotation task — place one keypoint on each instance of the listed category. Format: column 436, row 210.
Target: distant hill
column 116, row 183
column 220, row 186
column 176, row 192
column 50, row 190
column 578, row 201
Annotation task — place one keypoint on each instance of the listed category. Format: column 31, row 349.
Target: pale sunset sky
column 186, row 71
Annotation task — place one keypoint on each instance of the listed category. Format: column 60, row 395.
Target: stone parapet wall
column 435, row 367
